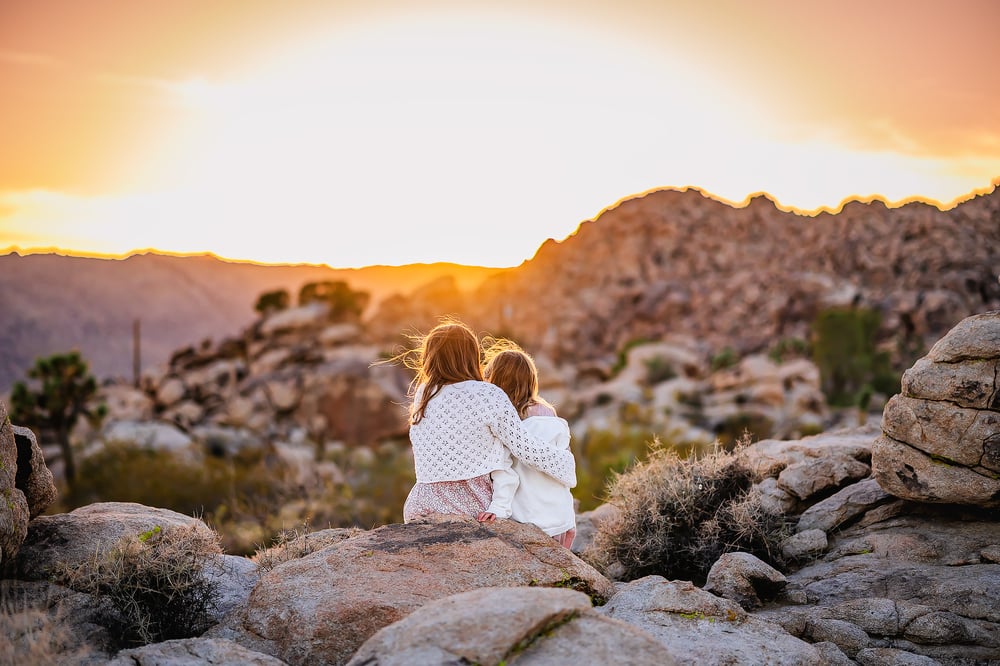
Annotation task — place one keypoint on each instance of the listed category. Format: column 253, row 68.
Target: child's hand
column 486, row 517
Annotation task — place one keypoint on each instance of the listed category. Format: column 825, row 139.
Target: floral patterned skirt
column 467, row 498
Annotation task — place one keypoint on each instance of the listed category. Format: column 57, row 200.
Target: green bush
column 679, row 515
column 659, row 369
column 155, row 583
column 726, row 358
column 844, row 350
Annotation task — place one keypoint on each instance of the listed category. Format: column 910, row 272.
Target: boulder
column 696, row 627
column 71, row 539
column 47, row 623
column 170, row 391
column 883, row 656
column 33, row 476
column 809, row 478
column 843, row 506
column 972, row 339
column 509, row 625
column 941, row 436
column 14, row 511
column 909, row 473
column 155, row 435
column 588, row 523
column 321, row 608
column 192, row 651
column 805, row 544
column 232, row 578
column 305, row 316
column 745, row 579
column 127, row 403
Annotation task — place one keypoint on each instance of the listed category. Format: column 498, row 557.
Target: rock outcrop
column 71, row 539
column 322, row 607
column 26, row 485
column 941, row 439
column 516, row 625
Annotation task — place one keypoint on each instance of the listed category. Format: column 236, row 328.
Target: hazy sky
column 362, row 132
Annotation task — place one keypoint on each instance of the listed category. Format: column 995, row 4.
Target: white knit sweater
column 465, row 429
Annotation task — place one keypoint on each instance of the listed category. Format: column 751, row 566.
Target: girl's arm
column 507, row 426
column 505, row 482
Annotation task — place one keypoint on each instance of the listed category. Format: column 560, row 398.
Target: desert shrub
column 844, row 349
column 154, row 581
column 678, row 515
column 601, row 454
column 725, row 358
column 659, row 369
column 36, row 636
column 296, row 543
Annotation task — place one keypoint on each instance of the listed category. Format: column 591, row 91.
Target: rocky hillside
column 54, row 303
column 680, row 262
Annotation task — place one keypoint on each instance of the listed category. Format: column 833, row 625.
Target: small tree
column 273, row 301
column 845, row 351
column 345, row 303
column 56, row 397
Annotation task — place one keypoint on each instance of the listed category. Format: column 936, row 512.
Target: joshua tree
column 55, row 399
column 273, row 301
column 345, row 303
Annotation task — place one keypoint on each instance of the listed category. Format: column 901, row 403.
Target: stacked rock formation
column 941, row 435
column 26, row 486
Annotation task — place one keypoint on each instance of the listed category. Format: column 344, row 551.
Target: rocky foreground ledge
column 879, row 575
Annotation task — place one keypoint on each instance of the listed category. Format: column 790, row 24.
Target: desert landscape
column 729, row 273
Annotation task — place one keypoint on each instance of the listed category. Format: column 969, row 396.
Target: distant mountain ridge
column 680, row 262
column 667, row 262
column 53, row 303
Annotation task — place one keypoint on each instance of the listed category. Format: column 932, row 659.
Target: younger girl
column 538, row 498
column 463, row 428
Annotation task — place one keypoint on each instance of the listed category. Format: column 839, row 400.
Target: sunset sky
column 358, row 132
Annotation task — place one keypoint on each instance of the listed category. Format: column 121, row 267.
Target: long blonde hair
column 448, row 354
column 512, row 369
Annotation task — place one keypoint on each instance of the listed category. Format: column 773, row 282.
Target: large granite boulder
column 71, row 539
column 319, row 609
column 941, row 435
column 509, row 625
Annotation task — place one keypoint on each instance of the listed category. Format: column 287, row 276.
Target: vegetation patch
column 155, row 583
column 679, row 515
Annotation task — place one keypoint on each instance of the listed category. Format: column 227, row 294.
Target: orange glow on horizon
column 348, row 135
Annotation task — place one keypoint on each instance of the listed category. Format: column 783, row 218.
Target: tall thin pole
column 136, row 353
